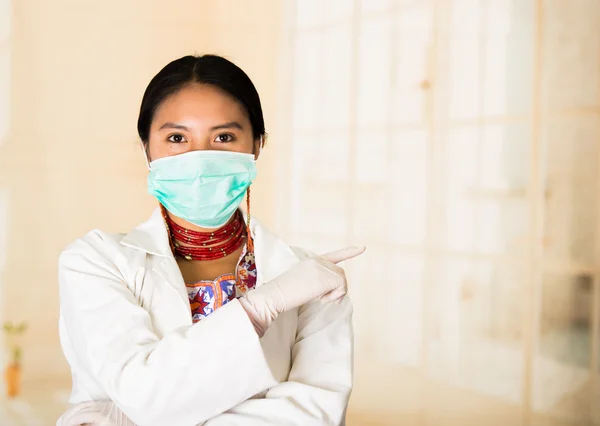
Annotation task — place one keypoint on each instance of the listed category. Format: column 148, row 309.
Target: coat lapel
column 152, row 237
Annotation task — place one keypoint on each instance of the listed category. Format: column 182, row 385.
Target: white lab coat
column 127, row 333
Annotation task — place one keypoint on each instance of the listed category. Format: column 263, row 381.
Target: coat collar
column 273, row 256
column 150, row 236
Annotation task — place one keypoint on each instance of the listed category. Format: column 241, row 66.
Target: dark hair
column 206, row 69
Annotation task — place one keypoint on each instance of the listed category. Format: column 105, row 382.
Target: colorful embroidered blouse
column 208, row 296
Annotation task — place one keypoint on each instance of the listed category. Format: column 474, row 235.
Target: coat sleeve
column 186, row 377
column 320, row 381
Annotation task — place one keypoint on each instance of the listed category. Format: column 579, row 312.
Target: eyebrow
column 230, row 125
column 169, row 125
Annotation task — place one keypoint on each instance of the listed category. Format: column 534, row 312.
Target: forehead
column 202, row 104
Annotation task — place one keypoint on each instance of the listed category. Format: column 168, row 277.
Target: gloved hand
column 314, row 278
column 94, row 413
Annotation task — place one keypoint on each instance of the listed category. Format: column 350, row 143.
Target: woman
column 200, row 315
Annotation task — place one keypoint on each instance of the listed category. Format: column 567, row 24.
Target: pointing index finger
column 338, row 256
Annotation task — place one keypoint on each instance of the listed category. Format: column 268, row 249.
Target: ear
column 144, row 147
column 258, row 145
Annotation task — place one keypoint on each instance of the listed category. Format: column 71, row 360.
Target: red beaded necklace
column 194, row 245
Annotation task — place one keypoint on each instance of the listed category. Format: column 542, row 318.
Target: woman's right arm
column 190, row 375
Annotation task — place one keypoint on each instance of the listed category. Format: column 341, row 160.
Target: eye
column 224, row 138
column 176, row 138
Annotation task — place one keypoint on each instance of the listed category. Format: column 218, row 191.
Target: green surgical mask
column 202, row 187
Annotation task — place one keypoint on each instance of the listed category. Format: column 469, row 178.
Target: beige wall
column 70, row 161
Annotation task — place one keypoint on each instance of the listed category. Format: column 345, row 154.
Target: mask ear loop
column 163, row 211
column 248, row 233
column 145, row 155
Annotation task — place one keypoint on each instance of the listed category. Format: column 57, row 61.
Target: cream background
column 69, row 154
column 71, row 161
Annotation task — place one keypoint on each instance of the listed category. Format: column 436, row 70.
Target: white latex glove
column 94, row 413
column 315, row 278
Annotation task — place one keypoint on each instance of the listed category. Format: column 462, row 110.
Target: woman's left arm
column 320, row 381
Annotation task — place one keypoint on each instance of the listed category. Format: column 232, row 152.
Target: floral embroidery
column 207, row 296
column 246, row 273
column 201, row 301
